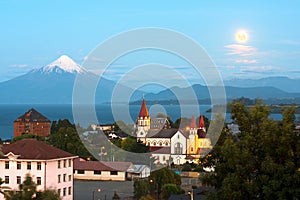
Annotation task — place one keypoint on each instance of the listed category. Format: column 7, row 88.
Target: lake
column 9, row 113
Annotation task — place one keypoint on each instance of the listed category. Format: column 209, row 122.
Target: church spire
column 201, row 122
column 144, row 111
column 193, row 122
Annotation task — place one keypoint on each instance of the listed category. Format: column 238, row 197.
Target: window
column 64, row 177
column 58, row 178
column 18, row 179
column 97, row 172
column 164, row 158
column 114, row 173
column 58, row 191
column 154, row 143
column 39, row 166
column 80, row 171
column 192, row 149
column 18, row 165
column 69, row 190
column 58, row 164
column 70, row 177
column 28, row 165
column 6, row 180
column 178, row 148
column 70, row 163
column 6, row 164
column 38, row 180
column 160, row 144
column 65, row 163
column 64, row 191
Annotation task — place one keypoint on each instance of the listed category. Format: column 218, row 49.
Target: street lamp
column 98, row 190
column 151, row 181
column 191, row 193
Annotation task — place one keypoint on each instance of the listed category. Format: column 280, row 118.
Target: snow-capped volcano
column 63, row 64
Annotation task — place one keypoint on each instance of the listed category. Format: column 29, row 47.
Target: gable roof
column 161, row 150
column 32, row 116
column 159, row 123
column 120, row 166
column 163, row 133
column 34, row 150
column 140, row 168
column 81, row 164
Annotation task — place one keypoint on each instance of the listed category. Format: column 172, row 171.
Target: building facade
column 169, row 145
column 49, row 167
column 32, row 122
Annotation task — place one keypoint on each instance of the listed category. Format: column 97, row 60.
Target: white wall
column 104, row 176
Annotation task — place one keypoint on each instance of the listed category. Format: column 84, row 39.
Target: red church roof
column 193, row 122
column 144, row 111
column 201, row 122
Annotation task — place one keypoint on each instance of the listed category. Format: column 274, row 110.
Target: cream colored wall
column 104, row 176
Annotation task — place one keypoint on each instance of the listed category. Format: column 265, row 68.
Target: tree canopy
column 261, row 162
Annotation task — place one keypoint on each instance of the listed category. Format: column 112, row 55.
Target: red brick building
column 32, row 122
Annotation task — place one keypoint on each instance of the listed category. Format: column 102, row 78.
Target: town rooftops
column 32, row 116
column 33, row 149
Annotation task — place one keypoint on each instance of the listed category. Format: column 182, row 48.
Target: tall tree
column 262, row 162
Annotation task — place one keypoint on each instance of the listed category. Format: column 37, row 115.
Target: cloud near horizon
column 241, row 50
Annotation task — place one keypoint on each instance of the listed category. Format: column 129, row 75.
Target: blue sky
column 34, row 33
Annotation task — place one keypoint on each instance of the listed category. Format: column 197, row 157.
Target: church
column 169, row 145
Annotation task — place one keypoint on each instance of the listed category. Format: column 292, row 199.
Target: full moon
column 241, row 36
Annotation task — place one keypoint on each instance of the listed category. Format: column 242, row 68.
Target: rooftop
column 34, row 150
column 33, row 116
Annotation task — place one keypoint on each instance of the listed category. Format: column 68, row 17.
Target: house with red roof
column 50, row 167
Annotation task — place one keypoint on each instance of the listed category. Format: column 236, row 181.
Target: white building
column 108, row 171
column 50, row 167
column 169, row 145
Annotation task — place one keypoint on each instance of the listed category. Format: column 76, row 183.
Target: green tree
column 262, row 162
column 161, row 177
column 27, row 191
column 169, row 189
column 141, row 188
column 147, row 197
column 2, row 188
column 65, row 137
column 130, row 144
column 182, row 123
column 37, row 137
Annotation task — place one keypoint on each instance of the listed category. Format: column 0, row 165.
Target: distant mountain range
column 53, row 84
column 283, row 83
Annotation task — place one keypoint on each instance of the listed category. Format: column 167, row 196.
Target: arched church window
column 178, row 148
column 160, row 144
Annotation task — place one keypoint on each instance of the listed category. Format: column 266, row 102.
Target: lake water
column 9, row 113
